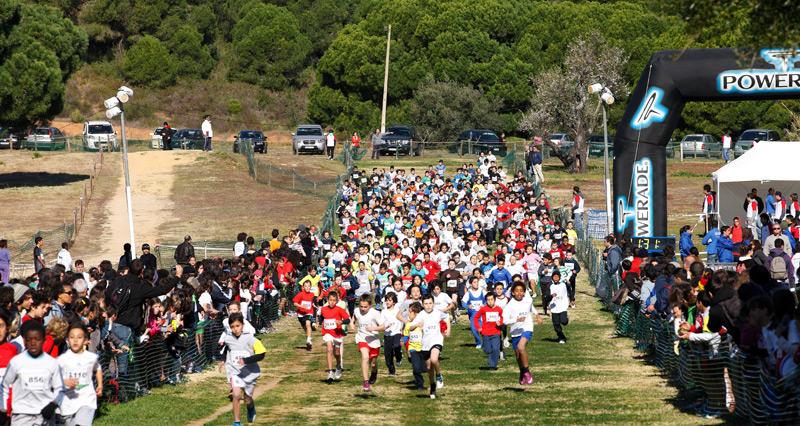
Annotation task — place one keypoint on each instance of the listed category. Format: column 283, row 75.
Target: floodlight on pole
column 114, row 107
column 606, row 98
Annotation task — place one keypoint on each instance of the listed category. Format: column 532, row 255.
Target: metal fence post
column 75, row 219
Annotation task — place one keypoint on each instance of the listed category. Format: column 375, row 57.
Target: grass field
column 593, row 379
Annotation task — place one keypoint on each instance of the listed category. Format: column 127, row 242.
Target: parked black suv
column 188, row 139
column 481, row 140
column 401, row 140
column 255, row 137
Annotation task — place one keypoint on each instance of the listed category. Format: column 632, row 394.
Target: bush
column 234, row 107
column 76, row 116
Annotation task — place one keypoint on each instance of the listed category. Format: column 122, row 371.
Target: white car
column 155, row 138
column 99, row 135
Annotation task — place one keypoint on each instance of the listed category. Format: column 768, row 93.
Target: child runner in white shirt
column 432, row 341
column 517, row 315
column 559, row 305
column 243, row 352
column 36, row 379
column 370, row 325
column 79, row 399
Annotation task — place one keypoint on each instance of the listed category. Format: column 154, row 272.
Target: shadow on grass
column 31, row 179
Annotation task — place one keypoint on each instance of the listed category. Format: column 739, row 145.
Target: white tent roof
column 766, row 165
column 766, row 161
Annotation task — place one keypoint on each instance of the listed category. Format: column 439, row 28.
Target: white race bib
column 452, row 283
column 492, row 317
column 305, row 304
column 329, row 324
column 475, row 305
column 35, row 379
column 236, row 356
column 326, row 247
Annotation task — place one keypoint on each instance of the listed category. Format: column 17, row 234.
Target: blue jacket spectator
column 710, row 241
column 613, row 256
column 686, row 242
column 725, row 246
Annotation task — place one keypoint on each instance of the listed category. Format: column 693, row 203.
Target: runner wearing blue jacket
column 500, row 274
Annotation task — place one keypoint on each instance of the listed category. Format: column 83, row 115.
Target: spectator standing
column 38, row 254
column 184, row 251
column 5, row 262
column 726, row 146
column 710, row 241
column 770, row 202
column 376, row 138
column 239, row 247
column 208, row 133
column 355, row 140
column 330, row 143
column 536, row 161
column 794, row 206
column 126, row 258
column 614, row 255
column 776, row 234
column 578, row 207
column 64, row 257
column 708, row 205
column 779, row 208
column 148, row 259
column 725, row 245
column 780, row 265
column 166, row 137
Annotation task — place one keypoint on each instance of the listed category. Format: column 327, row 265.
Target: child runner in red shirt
column 491, row 316
column 304, row 304
column 332, row 318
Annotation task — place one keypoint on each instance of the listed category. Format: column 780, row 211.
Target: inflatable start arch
column 669, row 80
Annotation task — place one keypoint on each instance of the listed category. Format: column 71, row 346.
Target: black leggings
column 330, row 151
column 392, row 351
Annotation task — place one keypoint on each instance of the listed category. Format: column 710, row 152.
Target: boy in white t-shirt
column 392, row 335
column 370, row 326
column 432, row 341
column 559, row 303
column 78, row 366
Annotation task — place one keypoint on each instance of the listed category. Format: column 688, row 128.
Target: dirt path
column 152, row 177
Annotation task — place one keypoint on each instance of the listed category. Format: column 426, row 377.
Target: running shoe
column 561, row 342
column 400, row 362
column 251, row 413
column 433, row 390
column 439, row 382
column 502, row 356
column 506, row 343
column 367, row 387
column 337, row 375
column 478, row 347
column 308, row 345
column 330, row 377
column 527, row 378
column 373, row 377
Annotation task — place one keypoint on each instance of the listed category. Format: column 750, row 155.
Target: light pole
column 386, row 80
column 115, row 106
column 606, row 98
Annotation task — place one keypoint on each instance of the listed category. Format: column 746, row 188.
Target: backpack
column 777, row 268
column 120, row 297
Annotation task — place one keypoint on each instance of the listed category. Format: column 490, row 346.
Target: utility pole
column 609, row 212
column 386, row 80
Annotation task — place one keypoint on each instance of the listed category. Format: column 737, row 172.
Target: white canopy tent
column 766, row 165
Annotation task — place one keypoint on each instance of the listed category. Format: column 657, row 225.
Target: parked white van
column 99, row 134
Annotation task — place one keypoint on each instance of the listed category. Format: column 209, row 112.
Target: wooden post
column 75, row 220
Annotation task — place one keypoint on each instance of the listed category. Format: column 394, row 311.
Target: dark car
column 597, row 145
column 256, row 138
column 481, row 140
column 748, row 137
column 399, row 140
column 188, row 139
column 8, row 139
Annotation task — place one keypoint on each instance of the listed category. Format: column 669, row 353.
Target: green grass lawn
column 593, row 379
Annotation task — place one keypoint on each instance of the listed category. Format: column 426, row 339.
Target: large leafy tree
column 269, row 48
column 191, row 57
column 148, row 62
column 39, row 50
column 441, row 110
column 561, row 100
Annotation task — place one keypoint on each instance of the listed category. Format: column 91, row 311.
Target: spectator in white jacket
column 64, row 257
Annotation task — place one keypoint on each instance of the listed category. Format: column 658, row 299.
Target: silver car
column 308, row 138
column 748, row 138
column 701, row 145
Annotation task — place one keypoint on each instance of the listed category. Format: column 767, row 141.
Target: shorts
column 83, row 417
column 443, row 326
column 200, row 327
column 249, row 386
column 373, row 352
column 528, row 335
column 28, row 420
column 330, row 338
column 426, row 355
column 302, row 319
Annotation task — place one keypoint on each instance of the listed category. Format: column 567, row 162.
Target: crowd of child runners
column 417, row 250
